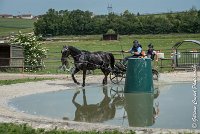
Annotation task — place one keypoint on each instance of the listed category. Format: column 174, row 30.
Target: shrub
column 34, row 53
column 110, row 31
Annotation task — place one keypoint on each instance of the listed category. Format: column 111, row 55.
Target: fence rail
column 53, row 60
column 15, row 62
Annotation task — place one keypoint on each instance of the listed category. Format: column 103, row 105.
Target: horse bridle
column 65, row 49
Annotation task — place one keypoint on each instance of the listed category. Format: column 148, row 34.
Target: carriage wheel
column 155, row 74
column 116, row 77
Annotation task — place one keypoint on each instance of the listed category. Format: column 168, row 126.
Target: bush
column 34, row 53
column 110, row 31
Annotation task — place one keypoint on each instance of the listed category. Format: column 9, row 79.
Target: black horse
column 85, row 60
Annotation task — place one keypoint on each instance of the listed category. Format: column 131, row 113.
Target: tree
column 79, row 22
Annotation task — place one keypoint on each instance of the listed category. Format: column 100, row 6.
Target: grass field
column 14, row 25
column 163, row 43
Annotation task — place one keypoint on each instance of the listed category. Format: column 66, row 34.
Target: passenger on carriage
column 151, row 52
column 136, row 50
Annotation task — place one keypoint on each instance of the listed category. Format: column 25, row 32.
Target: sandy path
column 63, row 82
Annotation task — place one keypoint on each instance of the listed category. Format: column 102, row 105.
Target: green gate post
column 139, row 76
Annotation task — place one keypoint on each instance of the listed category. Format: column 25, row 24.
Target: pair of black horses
column 85, row 60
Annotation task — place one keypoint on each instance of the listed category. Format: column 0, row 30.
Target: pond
column 170, row 106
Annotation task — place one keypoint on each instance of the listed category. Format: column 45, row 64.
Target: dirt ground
column 63, row 82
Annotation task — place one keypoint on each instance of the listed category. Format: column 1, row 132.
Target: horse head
column 65, row 54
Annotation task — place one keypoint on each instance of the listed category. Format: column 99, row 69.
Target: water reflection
column 111, row 106
column 99, row 112
column 139, row 108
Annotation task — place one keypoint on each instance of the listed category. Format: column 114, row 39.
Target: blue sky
column 37, row 7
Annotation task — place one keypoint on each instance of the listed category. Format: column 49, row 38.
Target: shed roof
column 8, row 44
column 2, row 43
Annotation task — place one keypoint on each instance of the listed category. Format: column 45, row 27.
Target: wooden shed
column 11, row 56
column 110, row 36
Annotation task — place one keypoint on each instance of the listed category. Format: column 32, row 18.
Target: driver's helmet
column 135, row 43
column 150, row 46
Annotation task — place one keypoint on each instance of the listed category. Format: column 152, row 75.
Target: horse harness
column 88, row 60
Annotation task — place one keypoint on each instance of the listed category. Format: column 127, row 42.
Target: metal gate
column 186, row 58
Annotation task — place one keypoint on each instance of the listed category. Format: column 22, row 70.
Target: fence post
column 139, row 76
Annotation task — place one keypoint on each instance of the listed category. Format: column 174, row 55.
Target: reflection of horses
column 110, row 104
column 99, row 112
column 84, row 60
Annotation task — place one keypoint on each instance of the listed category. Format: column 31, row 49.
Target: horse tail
column 112, row 60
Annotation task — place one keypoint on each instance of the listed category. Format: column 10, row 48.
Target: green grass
column 9, row 82
column 93, row 43
column 10, row 128
column 14, row 25
column 9, row 31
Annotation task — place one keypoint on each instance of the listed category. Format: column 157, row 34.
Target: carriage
column 85, row 60
column 119, row 73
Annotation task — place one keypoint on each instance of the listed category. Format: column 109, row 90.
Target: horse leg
column 73, row 100
column 84, row 98
column 105, row 72
column 84, row 76
column 76, row 70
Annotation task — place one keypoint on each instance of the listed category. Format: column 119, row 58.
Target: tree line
column 79, row 22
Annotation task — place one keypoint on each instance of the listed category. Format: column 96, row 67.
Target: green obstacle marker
column 139, row 108
column 139, row 76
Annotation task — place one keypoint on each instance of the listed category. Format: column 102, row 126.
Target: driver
column 136, row 50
